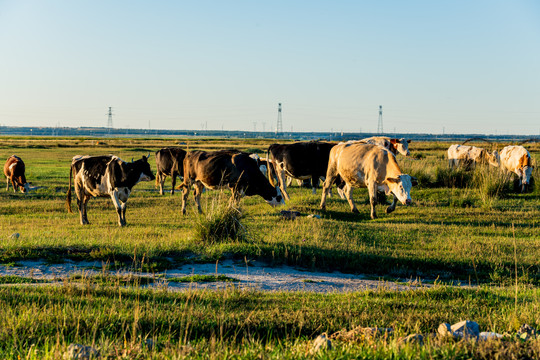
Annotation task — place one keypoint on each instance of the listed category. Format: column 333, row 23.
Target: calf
column 105, row 176
column 516, row 159
column 225, row 169
column 169, row 162
column 371, row 166
column 14, row 171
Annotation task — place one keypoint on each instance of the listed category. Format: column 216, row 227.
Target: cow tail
column 270, row 168
column 68, row 197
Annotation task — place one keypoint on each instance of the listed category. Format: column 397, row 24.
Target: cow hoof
column 323, row 207
column 389, row 209
column 355, row 211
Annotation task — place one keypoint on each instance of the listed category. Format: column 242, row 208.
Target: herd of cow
column 369, row 163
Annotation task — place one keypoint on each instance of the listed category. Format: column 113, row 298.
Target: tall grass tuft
column 458, row 178
column 222, row 221
column 492, row 184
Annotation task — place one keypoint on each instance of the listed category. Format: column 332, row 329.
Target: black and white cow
column 103, row 176
column 301, row 160
column 169, row 162
column 230, row 169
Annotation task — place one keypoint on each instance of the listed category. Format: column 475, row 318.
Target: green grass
column 202, row 278
column 250, row 324
column 466, row 233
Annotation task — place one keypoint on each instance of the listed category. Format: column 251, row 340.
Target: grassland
column 450, row 234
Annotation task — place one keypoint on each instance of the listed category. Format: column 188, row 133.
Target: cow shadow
column 347, row 216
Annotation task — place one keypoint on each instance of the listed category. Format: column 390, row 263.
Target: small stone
column 15, row 235
column 321, row 343
column 527, row 332
column 81, row 352
column 445, row 330
column 314, row 216
column 465, row 329
column 289, row 214
column 413, row 339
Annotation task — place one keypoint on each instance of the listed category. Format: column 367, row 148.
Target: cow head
column 493, row 159
column 524, row 173
column 401, row 145
column 144, row 167
column 20, row 181
column 401, row 187
column 258, row 184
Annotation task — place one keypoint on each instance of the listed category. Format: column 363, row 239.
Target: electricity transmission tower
column 380, row 124
column 109, row 120
column 279, row 126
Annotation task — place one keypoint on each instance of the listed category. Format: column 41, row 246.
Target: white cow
column 371, row 166
column 394, row 145
column 468, row 156
column 517, row 159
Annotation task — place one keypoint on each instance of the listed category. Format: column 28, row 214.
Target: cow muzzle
column 408, row 202
column 276, row 201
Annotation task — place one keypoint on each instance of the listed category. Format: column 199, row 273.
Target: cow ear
column 409, row 141
column 414, row 181
column 144, row 159
column 392, row 180
column 394, row 141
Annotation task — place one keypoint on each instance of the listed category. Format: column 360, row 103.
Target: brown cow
column 225, row 169
column 14, row 171
column 371, row 166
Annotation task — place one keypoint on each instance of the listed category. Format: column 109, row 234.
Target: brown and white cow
column 103, row 176
column 230, row 169
column 516, row 159
column 371, row 166
column 468, row 156
column 14, row 171
column 169, row 162
column 394, row 145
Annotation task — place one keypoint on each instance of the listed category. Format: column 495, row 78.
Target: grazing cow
column 302, row 160
column 103, row 176
column 517, row 159
column 169, row 162
column 394, row 145
column 14, row 170
column 371, row 166
column 225, row 169
column 468, row 156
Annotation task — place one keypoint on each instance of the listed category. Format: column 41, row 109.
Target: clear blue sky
column 467, row 66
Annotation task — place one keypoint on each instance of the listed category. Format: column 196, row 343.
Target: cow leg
column 315, row 184
column 14, row 185
column 161, row 179
column 326, row 187
column 7, row 181
column 372, row 190
column 83, row 210
column 174, row 174
column 124, row 213
column 392, row 207
column 348, row 191
column 118, row 206
column 185, row 194
column 283, row 183
column 197, row 195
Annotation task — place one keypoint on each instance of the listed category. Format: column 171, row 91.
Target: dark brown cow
column 14, row 171
column 301, row 160
column 169, row 162
column 225, row 169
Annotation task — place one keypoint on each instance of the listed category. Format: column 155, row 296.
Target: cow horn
column 131, row 159
column 148, row 156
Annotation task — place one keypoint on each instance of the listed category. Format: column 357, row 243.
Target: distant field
column 450, row 234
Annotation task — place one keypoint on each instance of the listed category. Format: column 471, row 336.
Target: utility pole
column 380, row 123
column 279, row 126
column 109, row 121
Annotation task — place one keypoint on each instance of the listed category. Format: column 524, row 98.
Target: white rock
column 81, row 352
column 487, row 335
column 321, row 343
column 445, row 330
column 466, row 328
